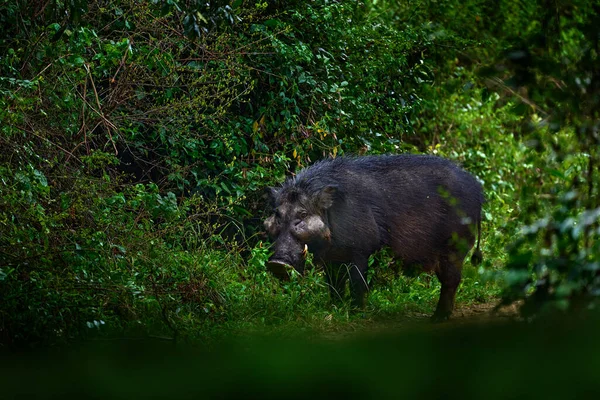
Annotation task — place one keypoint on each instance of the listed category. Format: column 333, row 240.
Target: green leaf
column 272, row 23
column 557, row 173
column 225, row 188
column 78, row 61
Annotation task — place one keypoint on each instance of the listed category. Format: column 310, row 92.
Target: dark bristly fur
column 425, row 208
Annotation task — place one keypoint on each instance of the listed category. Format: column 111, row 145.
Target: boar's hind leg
column 336, row 280
column 449, row 274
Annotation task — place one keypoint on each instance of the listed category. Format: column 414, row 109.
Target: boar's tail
column 477, row 256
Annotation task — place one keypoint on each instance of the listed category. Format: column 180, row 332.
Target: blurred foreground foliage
column 421, row 363
column 137, row 137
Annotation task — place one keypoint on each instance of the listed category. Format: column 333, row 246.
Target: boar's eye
column 302, row 214
column 277, row 214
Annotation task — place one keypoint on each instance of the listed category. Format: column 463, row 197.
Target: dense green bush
column 553, row 70
column 136, row 139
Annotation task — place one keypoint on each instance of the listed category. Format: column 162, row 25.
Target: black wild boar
column 425, row 208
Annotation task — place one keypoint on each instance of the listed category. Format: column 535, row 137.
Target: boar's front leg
column 337, row 276
column 358, row 281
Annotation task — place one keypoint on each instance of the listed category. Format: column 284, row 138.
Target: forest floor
column 464, row 315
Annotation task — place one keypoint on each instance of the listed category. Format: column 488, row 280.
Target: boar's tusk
column 305, row 251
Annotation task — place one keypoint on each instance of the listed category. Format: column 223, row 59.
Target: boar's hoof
column 440, row 317
column 280, row 269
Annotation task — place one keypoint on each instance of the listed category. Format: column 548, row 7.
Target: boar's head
column 298, row 224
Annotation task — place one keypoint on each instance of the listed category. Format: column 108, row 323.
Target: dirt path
column 479, row 313
column 485, row 311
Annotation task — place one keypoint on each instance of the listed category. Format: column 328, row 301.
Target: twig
column 39, row 73
column 83, row 125
column 112, row 80
column 104, row 120
column 49, row 141
column 32, row 50
column 498, row 82
column 109, row 125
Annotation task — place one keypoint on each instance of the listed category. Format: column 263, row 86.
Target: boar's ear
column 271, row 194
column 326, row 196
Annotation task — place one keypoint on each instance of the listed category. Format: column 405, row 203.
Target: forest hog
column 425, row 208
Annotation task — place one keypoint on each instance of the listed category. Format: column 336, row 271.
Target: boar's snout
column 282, row 262
column 280, row 269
